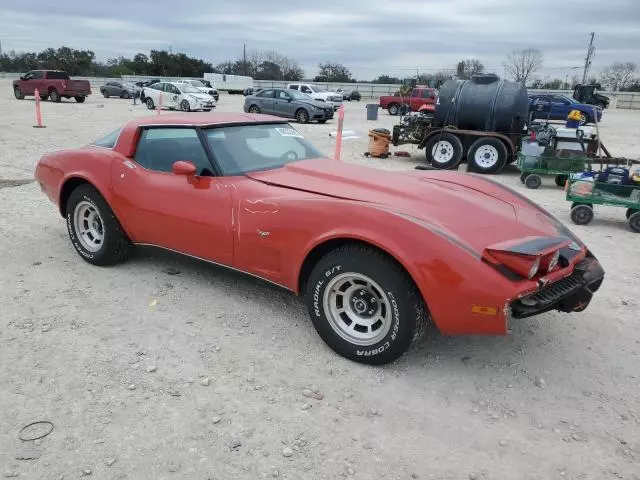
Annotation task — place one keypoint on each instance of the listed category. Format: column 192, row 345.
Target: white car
column 317, row 93
column 199, row 84
column 183, row 96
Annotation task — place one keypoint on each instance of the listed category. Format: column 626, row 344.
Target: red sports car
column 375, row 253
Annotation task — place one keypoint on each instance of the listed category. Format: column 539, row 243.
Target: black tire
column 533, row 181
column 184, row 106
column 125, row 95
column 322, row 121
column 631, row 211
column 44, row 97
column 18, row 93
column 255, row 109
column 302, row 116
column 601, row 105
column 406, row 315
column 634, row 221
column 149, row 103
column 115, row 246
column 105, row 94
column 80, row 99
column 584, row 119
column 494, row 155
column 581, row 214
column 561, row 180
column 54, row 96
column 393, row 109
column 523, row 176
column 449, row 143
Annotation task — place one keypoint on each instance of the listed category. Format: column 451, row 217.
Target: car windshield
column 196, row 83
column 249, row 148
column 109, row 140
column 188, row 88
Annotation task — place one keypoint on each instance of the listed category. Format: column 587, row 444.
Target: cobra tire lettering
column 316, row 298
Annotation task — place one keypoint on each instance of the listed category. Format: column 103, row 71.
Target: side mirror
column 289, row 99
column 183, row 168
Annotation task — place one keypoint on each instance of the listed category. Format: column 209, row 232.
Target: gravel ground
column 166, row 368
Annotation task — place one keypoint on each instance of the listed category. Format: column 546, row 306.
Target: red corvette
column 376, row 254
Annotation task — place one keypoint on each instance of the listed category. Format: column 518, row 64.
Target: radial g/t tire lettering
column 365, row 306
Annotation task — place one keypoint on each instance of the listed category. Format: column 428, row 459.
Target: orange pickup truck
column 52, row 84
column 419, row 96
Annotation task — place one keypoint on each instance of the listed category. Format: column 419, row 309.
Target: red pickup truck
column 419, row 96
column 52, row 84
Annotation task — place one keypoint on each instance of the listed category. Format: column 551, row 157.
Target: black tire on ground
column 584, row 118
column 149, row 103
column 447, row 145
column 302, row 116
column 523, row 176
column 184, row 106
column 105, row 94
column 601, row 105
column 80, row 99
column 254, row 109
column 634, row 221
column 487, row 155
column 115, row 246
column 561, row 180
column 533, row 181
column 18, row 93
column 44, row 97
column 54, row 96
column 125, row 95
column 631, row 211
column 581, row 214
column 334, row 296
column 322, row 121
column 393, row 109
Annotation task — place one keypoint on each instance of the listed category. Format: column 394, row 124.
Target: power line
column 587, row 61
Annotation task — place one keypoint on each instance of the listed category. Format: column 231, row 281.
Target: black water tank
column 483, row 103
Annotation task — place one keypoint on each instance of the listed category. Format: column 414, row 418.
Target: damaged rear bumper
column 571, row 294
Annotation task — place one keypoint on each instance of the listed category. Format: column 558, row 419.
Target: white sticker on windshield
column 289, row 132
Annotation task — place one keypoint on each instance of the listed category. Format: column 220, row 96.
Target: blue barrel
column 372, row 111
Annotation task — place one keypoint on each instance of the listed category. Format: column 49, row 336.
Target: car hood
column 474, row 211
column 200, row 96
column 313, row 103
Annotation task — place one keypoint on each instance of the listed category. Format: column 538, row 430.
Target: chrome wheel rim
column 253, row 110
column 486, row 156
column 185, row 106
column 89, row 226
column 357, row 308
column 442, row 152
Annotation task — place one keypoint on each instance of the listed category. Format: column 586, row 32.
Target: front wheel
column 94, row 229
column 125, row 95
column 533, row 181
column 444, row 151
column 254, row 109
column 364, row 305
column 184, row 106
column 634, row 221
column 394, row 109
column 105, row 94
column 54, row 96
column 18, row 93
column 149, row 103
column 581, row 214
column 302, row 116
column 80, row 99
column 561, row 180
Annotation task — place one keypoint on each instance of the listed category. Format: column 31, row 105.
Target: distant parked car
column 251, row 91
column 349, row 94
column 557, row 106
column 199, row 84
column 120, row 89
column 288, row 104
column 52, row 84
column 318, row 93
column 183, row 96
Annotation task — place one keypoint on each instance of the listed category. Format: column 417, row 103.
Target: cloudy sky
column 370, row 37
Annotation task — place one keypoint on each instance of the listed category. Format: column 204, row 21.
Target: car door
column 188, row 214
column 27, row 85
column 283, row 104
column 172, row 96
column 265, row 101
column 560, row 107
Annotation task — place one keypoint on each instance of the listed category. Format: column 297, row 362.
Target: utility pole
column 244, row 58
column 587, row 61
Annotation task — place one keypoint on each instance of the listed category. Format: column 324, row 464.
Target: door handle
column 130, row 164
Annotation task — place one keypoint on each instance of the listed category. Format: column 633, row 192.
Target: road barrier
column 39, row 123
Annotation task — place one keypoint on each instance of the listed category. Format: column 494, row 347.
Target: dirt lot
column 165, row 368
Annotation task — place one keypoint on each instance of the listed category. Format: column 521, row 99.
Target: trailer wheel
column 533, row 181
column 487, row 155
column 631, row 211
column 523, row 175
column 581, row 214
column 561, row 180
column 393, row 109
column 634, row 221
column 444, row 151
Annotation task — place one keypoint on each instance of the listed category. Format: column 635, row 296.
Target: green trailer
column 534, row 167
column 584, row 193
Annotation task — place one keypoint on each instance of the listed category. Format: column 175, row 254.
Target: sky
column 370, row 37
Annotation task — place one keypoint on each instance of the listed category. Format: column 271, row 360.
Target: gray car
column 288, row 104
column 119, row 89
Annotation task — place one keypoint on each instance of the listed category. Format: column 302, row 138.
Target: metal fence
column 623, row 100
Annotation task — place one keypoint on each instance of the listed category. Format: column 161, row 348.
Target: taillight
column 526, row 266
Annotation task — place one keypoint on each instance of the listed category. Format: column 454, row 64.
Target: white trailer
column 229, row 83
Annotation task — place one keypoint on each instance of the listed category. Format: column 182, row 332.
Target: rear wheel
column 631, row 211
column 523, row 176
column 487, row 155
column 581, row 214
column 634, row 221
column 18, row 93
column 444, row 151
column 149, row 103
column 254, row 109
column 393, row 109
column 105, row 94
column 561, row 180
column 80, row 99
column 94, row 229
column 322, row 121
column 533, row 181
column 584, row 118
column 364, row 305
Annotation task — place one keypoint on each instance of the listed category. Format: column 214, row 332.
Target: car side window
column 306, row 89
column 171, row 89
column 159, row 148
column 426, row 94
column 293, row 87
column 266, row 94
column 28, row 76
column 282, row 95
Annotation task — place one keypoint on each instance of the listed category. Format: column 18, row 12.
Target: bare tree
column 521, row 64
column 466, row 69
column 619, row 75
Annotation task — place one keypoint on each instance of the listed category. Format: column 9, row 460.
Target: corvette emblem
column 263, row 234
